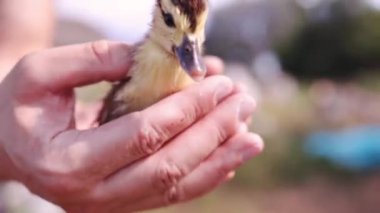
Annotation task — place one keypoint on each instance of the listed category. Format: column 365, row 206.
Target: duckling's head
column 179, row 28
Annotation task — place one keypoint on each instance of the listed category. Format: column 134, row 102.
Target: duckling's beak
column 190, row 58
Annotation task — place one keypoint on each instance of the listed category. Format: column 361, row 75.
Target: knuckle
column 227, row 122
column 210, row 96
column 221, row 133
column 101, row 51
column 27, row 60
column 167, row 176
column 222, row 127
column 173, row 195
column 220, row 87
column 25, row 69
column 148, row 138
column 201, row 107
column 29, row 71
column 196, row 109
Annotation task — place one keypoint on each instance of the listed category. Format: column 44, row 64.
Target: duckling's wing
column 111, row 107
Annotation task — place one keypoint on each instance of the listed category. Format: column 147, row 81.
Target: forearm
column 25, row 23
column 23, row 29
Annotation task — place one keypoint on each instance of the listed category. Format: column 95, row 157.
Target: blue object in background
column 355, row 149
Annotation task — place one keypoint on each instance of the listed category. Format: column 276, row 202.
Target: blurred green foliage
column 284, row 161
column 338, row 44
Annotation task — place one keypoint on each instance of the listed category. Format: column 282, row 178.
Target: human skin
column 25, row 26
column 81, row 170
column 176, row 150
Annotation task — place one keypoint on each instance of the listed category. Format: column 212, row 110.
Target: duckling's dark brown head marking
column 190, row 8
column 179, row 28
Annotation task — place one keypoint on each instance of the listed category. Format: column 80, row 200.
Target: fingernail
column 222, row 92
column 246, row 109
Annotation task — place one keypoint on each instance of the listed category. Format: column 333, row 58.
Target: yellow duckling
column 166, row 61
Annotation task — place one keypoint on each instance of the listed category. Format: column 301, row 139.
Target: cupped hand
column 174, row 151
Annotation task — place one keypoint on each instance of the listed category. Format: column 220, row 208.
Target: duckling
column 168, row 60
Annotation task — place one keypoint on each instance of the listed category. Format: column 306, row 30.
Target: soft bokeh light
column 374, row 3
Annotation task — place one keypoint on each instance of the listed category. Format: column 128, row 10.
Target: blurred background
column 313, row 66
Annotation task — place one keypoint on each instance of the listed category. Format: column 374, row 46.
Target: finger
column 122, row 141
column 86, row 114
column 214, row 65
column 77, row 65
column 229, row 157
column 190, row 148
column 183, row 154
column 209, row 175
column 240, row 87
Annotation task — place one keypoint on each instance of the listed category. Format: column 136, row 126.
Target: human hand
column 122, row 166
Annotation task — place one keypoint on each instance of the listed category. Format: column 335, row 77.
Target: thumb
column 77, row 65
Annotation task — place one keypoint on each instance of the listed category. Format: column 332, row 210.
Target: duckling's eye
column 169, row 20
